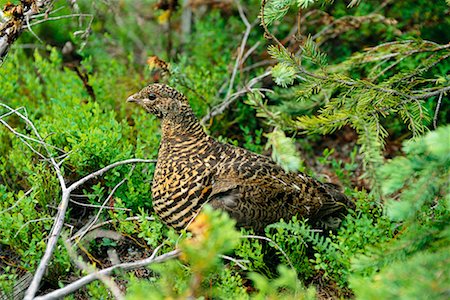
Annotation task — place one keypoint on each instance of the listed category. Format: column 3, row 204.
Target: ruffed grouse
column 194, row 169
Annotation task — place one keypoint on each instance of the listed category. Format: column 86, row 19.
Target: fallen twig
column 436, row 112
column 108, row 281
column 17, row 202
column 236, row 261
column 241, row 57
column 60, row 18
column 264, row 238
column 29, row 222
column 104, row 204
column 248, row 28
column 99, row 206
column 217, row 110
column 65, row 197
column 135, row 218
column 56, row 230
column 123, row 266
column 13, row 25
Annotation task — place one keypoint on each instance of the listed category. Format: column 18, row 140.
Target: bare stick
column 107, row 168
column 123, row 266
column 239, row 61
column 31, row 30
column 104, row 203
column 21, row 137
column 11, row 112
column 266, row 30
column 436, row 112
column 108, row 281
column 250, row 51
column 29, row 222
column 99, row 206
column 135, row 218
column 56, row 230
column 12, row 25
column 236, row 261
column 17, row 202
column 52, row 160
column 62, row 208
column 270, row 240
column 241, row 48
column 217, row 110
column 52, row 241
column 47, row 13
column 60, row 18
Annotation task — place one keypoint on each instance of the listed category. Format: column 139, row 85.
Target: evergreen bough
column 396, row 85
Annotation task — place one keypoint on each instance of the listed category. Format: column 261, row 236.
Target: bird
column 194, row 169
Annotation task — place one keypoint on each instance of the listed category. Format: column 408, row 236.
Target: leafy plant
column 379, row 70
column 422, row 213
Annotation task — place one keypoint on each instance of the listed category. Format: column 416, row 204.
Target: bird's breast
column 182, row 183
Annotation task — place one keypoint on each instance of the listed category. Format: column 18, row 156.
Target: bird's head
column 161, row 100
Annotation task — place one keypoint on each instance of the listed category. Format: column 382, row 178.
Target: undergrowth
column 380, row 72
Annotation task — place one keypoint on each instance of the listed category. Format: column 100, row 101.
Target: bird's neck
column 181, row 128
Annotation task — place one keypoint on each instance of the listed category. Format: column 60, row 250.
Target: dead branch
column 62, row 208
column 241, row 57
column 104, row 204
column 248, row 28
column 264, row 238
column 99, row 206
column 14, row 20
column 135, row 218
column 66, row 190
column 236, row 261
column 108, row 281
column 60, row 18
column 248, row 88
column 70, row 288
column 436, row 112
column 17, row 202
column 29, row 222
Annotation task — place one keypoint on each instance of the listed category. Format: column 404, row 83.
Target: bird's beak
column 133, row 98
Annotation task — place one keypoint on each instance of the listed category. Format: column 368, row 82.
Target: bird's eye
column 151, row 96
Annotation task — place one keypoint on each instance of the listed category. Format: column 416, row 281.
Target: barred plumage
column 194, row 169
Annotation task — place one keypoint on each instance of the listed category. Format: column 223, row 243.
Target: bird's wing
column 255, row 191
column 259, row 192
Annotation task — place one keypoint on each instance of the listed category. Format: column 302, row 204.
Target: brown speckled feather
column 194, row 169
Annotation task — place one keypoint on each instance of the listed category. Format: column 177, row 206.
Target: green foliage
column 276, row 10
column 311, row 52
column 251, row 252
column 284, row 74
column 283, row 151
column 430, row 280
column 343, row 170
column 422, row 175
column 311, row 251
column 422, row 245
column 58, row 106
column 285, row 286
column 361, row 104
column 214, row 234
column 380, row 70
